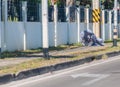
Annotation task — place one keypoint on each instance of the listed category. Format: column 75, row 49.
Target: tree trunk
column 70, row 2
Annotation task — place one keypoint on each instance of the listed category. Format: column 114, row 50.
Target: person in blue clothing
column 88, row 38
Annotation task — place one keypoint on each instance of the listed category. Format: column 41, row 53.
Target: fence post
column 68, row 22
column 78, row 24
column 119, row 22
column 68, row 13
column 87, row 17
column 40, row 13
column 4, row 18
column 55, row 24
column 24, row 16
column 0, row 31
column 103, row 25
column 110, row 25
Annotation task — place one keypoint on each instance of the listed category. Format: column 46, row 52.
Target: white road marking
column 95, row 80
column 97, row 77
column 86, row 75
column 28, row 81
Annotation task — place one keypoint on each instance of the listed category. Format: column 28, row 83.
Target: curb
column 112, row 54
column 6, row 78
column 32, row 72
column 39, row 71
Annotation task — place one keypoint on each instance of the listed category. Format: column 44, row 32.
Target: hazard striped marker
column 96, row 15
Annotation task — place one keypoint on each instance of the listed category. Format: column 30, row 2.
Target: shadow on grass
column 32, row 53
column 50, row 56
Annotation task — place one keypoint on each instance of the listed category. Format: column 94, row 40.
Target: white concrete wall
column 51, row 33
column 14, row 36
column 62, row 33
column 107, row 32
column 34, row 35
column 15, row 30
column 72, row 33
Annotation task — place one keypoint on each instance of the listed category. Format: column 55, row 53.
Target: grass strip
column 40, row 62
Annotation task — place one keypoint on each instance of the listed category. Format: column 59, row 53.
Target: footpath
column 66, row 53
column 65, row 58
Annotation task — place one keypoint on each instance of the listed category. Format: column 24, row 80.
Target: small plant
column 77, row 44
column 104, row 56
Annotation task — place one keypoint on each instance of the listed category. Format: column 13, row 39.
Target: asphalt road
column 102, row 73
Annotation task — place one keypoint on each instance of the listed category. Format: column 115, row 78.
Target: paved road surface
column 103, row 73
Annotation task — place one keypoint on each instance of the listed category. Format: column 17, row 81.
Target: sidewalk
column 67, row 53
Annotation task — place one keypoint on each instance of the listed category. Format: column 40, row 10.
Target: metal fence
column 72, row 14
column 15, row 9
column 14, row 12
column 107, row 15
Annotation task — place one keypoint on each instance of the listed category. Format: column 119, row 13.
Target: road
column 102, row 73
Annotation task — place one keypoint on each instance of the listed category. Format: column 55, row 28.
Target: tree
column 85, row 2
column 70, row 2
column 15, row 9
column 108, row 4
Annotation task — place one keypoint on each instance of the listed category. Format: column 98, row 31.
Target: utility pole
column 115, row 35
column 96, row 17
column 45, row 28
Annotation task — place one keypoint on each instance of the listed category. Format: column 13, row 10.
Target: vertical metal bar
column 115, row 13
column 0, row 32
column 55, row 24
column 110, row 25
column 87, row 17
column 40, row 13
column 68, row 22
column 5, row 16
column 78, row 24
column 103, row 25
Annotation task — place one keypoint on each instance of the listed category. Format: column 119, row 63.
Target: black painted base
column 46, row 53
column 114, row 42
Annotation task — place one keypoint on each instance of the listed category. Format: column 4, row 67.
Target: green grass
column 19, row 53
column 110, row 41
column 7, row 54
column 40, row 62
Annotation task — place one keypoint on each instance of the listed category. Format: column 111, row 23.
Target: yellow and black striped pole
column 96, row 15
column 96, row 22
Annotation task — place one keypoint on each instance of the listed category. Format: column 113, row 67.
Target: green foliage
column 38, row 1
column 108, row 4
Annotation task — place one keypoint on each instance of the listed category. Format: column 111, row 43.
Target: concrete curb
column 38, row 71
column 32, row 72
column 6, row 78
column 112, row 54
